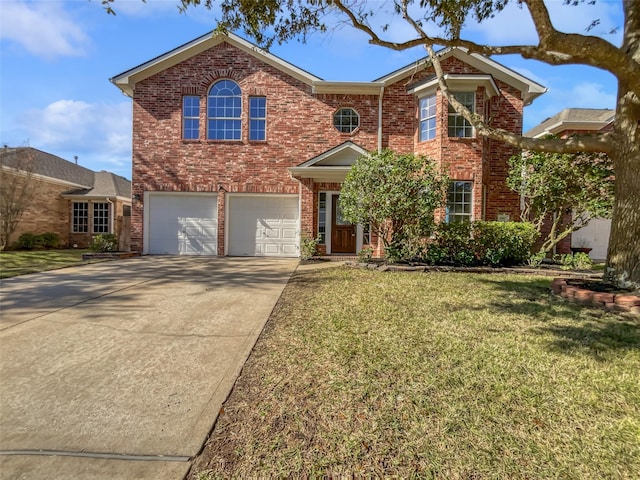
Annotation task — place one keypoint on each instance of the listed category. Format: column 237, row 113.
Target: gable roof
column 332, row 165
column 126, row 81
column 573, row 119
column 81, row 180
column 530, row 89
column 106, row 184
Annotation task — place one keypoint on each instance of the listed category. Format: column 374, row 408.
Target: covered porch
column 321, row 180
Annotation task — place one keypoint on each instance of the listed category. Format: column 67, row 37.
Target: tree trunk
column 623, row 256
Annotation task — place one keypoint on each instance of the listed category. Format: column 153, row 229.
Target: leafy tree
column 442, row 22
column 396, row 195
column 17, row 190
column 555, row 184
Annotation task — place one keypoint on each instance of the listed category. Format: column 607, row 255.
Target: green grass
column 15, row 263
column 441, row 375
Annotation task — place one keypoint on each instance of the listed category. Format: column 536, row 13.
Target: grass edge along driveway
column 440, row 375
column 22, row 262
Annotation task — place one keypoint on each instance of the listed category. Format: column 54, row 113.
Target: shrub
column 29, row 241
column 365, row 254
column 481, row 243
column 451, row 244
column 503, row 243
column 577, row 261
column 308, row 247
column 105, row 242
column 50, row 240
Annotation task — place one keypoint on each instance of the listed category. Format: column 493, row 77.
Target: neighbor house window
column 224, row 108
column 459, row 201
column 346, row 120
column 190, row 117
column 101, row 217
column 80, row 217
column 257, row 118
column 427, row 118
column 458, row 126
column 322, row 218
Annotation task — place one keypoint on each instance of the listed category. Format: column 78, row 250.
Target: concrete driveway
column 119, row 369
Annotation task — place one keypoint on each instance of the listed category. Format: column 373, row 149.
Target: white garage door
column 263, row 225
column 182, row 224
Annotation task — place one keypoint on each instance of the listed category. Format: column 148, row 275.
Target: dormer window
column 346, row 120
column 458, row 125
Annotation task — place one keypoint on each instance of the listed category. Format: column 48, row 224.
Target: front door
column 343, row 233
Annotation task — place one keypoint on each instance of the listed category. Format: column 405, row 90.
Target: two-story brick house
column 238, row 152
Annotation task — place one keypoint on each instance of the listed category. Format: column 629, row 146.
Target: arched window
column 224, row 107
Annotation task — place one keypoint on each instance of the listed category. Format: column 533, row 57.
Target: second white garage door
column 263, row 225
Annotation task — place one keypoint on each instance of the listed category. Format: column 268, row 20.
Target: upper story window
column 190, row 117
column 80, row 222
column 224, row 110
column 101, row 217
column 346, row 120
column 427, row 118
column 257, row 118
column 459, row 199
column 458, row 126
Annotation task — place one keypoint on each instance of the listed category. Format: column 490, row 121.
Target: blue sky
column 56, row 58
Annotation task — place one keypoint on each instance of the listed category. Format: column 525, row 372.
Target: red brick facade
column 299, row 128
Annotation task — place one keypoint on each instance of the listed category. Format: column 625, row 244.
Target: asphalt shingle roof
column 574, row 115
column 90, row 183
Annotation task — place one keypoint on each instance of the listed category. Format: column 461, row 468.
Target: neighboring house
column 237, row 152
column 581, row 121
column 70, row 200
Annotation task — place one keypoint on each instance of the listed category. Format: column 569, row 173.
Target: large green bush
column 503, row 243
column 481, row 243
column 451, row 244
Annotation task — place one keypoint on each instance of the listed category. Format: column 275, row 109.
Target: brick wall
column 47, row 212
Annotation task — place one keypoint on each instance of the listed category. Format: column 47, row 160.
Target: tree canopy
column 566, row 190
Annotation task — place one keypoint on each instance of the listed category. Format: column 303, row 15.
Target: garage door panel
column 181, row 224
column 263, row 226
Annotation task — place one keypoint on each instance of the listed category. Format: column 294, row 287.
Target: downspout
column 380, row 118
column 112, row 211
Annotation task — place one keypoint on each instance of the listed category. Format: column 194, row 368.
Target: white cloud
column 97, row 132
column 43, row 29
column 591, row 95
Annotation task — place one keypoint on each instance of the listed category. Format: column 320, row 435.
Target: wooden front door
column 343, row 233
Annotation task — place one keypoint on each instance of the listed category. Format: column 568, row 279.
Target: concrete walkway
column 119, row 369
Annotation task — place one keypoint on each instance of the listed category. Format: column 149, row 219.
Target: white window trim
column 435, row 116
column 472, row 203
column 333, row 120
column 456, row 114
column 208, row 118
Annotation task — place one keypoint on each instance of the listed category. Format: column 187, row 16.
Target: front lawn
column 14, row 263
column 441, row 375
